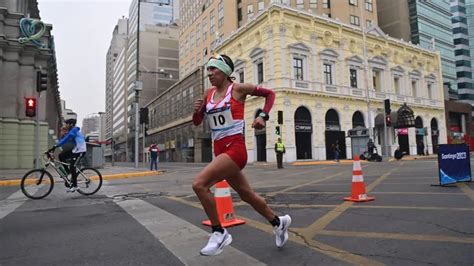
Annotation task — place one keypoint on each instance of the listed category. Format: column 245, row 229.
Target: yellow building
column 315, row 65
column 204, row 23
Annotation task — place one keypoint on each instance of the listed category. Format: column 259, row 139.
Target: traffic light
column 41, row 81
column 280, row 117
column 277, row 130
column 30, row 104
column 388, row 121
column 144, row 115
column 387, row 106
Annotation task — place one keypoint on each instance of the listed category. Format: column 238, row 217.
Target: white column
column 463, row 123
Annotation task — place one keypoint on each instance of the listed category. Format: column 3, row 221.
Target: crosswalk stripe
column 180, row 237
column 9, row 204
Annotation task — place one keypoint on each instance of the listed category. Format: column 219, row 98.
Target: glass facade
column 470, row 27
column 430, row 23
column 462, row 50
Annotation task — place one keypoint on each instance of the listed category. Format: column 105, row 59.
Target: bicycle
column 38, row 183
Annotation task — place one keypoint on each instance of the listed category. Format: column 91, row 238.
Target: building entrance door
column 303, row 133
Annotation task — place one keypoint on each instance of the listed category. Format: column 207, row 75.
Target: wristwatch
column 264, row 116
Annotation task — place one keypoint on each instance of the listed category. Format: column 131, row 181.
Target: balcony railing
column 360, row 93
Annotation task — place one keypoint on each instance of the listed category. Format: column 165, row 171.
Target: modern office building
column 205, row 23
column 425, row 23
column 470, row 27
column 115, row 114
column 66, row 112
column 90, row 124
column 154, row 62
column 171, row 125
column 462, row 52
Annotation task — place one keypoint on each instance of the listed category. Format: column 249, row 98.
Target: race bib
column 220, row 118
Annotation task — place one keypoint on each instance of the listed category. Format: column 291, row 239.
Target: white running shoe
column 71, row 189
column 216, row 243
column 281, row 232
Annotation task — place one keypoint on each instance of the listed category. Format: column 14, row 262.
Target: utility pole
column 143, row 140
column 137, row 83
column 138, row 87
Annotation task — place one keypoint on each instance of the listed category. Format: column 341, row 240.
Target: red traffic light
column 388, row 121
column 30, row 104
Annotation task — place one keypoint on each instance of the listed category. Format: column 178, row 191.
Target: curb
column 17, row 182
column 424, row 158
column 324, row 163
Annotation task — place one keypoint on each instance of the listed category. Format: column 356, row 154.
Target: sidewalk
column 416, row 157
column 328, row 162
column 12, row 177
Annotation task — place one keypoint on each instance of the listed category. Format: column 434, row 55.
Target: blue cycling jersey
column 79, row 140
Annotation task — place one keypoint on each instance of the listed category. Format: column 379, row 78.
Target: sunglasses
column 218, row 57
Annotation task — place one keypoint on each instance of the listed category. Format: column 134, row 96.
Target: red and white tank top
column 226, row 116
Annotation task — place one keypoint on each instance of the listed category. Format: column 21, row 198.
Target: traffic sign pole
column 37, row 152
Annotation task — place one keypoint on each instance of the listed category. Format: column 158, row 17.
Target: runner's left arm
column 249, row 89
column 243, row 90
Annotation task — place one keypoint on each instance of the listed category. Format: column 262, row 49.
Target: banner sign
column 454, row 163
column 303, row 127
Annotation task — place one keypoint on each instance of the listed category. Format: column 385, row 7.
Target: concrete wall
column 19, row 63
column 17, row 143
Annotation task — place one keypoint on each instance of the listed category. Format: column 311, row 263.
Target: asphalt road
column 156, row 220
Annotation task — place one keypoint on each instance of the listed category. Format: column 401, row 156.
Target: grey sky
column 82, row 33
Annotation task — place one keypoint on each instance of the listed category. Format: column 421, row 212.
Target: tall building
column 425, row 23
column 154, row 62
column 67, row 113
column 470, row 27
column 19, row 63
column 462, row 52
column 115, row 107
column 205, row 23
column 90, row 124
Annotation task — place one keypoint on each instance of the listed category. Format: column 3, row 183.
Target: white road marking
column 14, row 201
column 180, row 237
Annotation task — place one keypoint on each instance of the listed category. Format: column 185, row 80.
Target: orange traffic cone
column 358, row 186
column 225, row 209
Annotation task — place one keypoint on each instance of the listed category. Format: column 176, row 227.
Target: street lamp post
column 366, row 72
column 138, row 87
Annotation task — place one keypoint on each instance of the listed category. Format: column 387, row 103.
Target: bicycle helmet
column 71, row 121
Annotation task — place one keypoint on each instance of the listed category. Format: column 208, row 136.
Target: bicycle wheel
column 37, row 184
column 89, row 181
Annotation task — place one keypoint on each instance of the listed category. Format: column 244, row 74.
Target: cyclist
column 223, row 105
column 74, row 135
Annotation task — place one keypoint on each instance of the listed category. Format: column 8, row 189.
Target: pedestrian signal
column 30, row 104
column 388, row 121
column 277, row 130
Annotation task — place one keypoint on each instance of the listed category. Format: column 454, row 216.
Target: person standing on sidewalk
column 337, row 151
column 223, row 105
column 154, row 153
column 279, row 150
